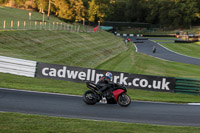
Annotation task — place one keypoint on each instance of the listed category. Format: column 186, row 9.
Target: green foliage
column 99, row 10
column 70, row 10
column 92, row 11
column 166, row 13
column 42, row 4
column 175, row 13
column 3, row 1
column 135, row 10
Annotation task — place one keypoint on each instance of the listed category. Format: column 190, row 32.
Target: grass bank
column 13, row 14
column 23, row 123
column 8, row 13
column 61, row 47
column 133, row 62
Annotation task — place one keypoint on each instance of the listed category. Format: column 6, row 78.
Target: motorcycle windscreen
column 116, row 93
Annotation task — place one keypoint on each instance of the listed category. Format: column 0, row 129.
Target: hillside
column 61, row 47
column 57, row 46
column 8, row 14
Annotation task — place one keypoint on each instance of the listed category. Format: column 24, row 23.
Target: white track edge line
column 196, row 104
column 135, row 47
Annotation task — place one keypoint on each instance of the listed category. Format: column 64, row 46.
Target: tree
column 70, row 9
column 4, row 1
column 118, row 12
column 62, row 7
column 77, row 10
column 42, row 5
column 80, row 10
column 135, row 10
column 25, row 3
column 99, row 10
column 92, row 11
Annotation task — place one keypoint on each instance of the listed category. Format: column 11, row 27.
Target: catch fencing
column 77, row 74
column 40, row 25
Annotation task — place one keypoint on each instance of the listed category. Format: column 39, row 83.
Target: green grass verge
column 133, row 62
column 22, row 123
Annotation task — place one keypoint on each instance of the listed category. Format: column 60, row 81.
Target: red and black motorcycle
column 118, row 95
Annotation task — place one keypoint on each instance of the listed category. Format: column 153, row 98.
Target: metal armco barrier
column 187, row 86
column 17, row 66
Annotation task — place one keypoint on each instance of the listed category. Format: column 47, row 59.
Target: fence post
column 57, row 26
column 45, row 23
column 4, row 24
column 78, row 29
column 18, row 24
column 11, row 24
column 35, row 24
column 60, row 26
column 40, row 25
column 29, row 24
column 24, row 24
column 53, row 25
column 49, row 25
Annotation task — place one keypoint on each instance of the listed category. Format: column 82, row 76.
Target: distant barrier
column 77, row 74
column 159, row 35
column 185, row 41
column 141, row 35
column 17, row 66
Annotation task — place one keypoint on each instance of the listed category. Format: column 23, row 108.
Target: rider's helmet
column 109, row 75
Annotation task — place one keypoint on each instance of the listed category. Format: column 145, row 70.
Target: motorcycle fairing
column 117, row 92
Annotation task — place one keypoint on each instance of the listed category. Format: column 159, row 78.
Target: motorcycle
column 117, row 95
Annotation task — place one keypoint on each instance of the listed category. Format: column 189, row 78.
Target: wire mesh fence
column 43, row 25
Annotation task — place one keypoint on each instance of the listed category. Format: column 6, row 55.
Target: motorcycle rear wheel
column 124, row 100
column 89, row 97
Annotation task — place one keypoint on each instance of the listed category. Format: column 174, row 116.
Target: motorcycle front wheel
column 124, row 100
column 89, row 97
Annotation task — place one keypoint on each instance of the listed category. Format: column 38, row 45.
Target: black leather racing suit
column 105, row 84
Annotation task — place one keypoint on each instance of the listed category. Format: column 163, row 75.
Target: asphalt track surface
column 146, row 47
column 73, row 107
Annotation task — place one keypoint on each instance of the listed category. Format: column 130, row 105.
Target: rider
column 105, row 84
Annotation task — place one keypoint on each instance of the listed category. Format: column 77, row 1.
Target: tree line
column 166, row 13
